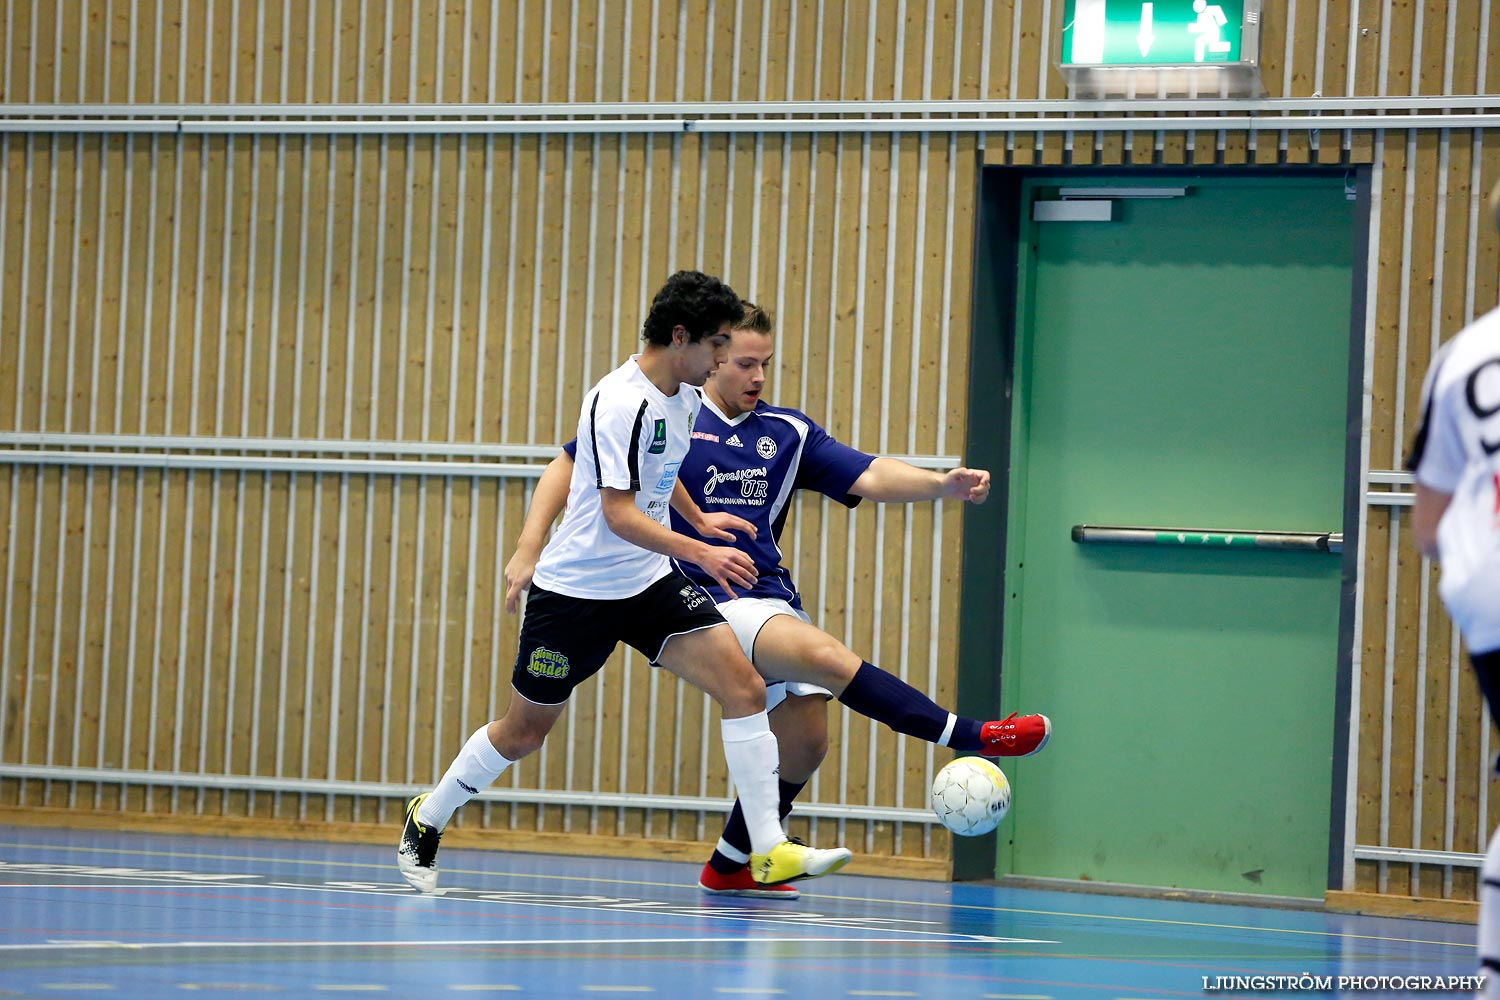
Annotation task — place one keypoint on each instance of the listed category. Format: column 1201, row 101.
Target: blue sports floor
column 89, row 914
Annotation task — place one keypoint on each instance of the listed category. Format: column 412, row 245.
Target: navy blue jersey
column 749, row 467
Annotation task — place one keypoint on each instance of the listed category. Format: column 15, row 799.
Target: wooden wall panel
column 1421, row 780
column 327, row 287
column 470, row 288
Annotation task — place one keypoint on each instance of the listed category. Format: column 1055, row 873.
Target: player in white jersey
column 607, row 575
column 750, row 457
column 1456, row 461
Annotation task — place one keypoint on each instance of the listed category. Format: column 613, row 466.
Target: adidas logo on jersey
column 734, row 439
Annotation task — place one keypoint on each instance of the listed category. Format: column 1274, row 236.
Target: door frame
column 1000, row 224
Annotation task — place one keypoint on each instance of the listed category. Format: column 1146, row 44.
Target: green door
column 1184, row 365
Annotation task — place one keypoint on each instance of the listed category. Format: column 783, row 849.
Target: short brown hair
column 756, row 319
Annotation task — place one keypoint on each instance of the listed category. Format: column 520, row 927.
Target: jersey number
column 1471, row 394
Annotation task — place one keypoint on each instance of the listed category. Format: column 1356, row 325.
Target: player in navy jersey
column 748, row 457
column 1455, row 458
column 610, row 573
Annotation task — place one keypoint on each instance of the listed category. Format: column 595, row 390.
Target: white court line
column 686, row 910
column 905, row 903
column 462, row 942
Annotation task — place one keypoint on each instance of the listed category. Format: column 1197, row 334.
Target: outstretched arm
column 547, row 501
column 890, row 480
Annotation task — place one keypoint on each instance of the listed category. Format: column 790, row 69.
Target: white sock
column 751, row 752
column 477, row 765
column 1489, row 919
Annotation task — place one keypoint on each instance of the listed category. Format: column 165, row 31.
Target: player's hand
column 518, row 573
column 972, row 485
column 728, row 566
column 721, row 525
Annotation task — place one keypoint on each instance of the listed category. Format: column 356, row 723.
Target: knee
column 801, row 755
column 801, row 727
column 834, row 663
column 743, row 693
column 516, row 738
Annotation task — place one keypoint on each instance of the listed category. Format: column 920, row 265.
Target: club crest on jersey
column 734, row 439
column 658, row 438
column 765, row 448
column 546, row 663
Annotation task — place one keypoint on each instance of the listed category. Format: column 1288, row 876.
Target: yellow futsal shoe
column 416, row 853
column 792, row 860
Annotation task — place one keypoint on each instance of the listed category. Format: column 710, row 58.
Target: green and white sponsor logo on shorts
column 546, row 663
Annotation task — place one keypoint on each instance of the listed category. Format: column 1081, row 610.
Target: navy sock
column 888, row 699
column 789, row 791
column 965, row 735
column 737, row 835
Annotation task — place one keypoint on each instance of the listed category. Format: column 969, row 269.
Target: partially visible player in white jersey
column 748, row 457
column 1456, row 518
column 608, row 575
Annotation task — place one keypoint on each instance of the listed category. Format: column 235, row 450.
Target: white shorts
column 747, row 616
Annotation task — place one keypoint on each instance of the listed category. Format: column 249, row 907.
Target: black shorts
column 565, row 640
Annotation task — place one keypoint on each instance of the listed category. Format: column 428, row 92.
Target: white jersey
column 1457, row 451
column 630, row 437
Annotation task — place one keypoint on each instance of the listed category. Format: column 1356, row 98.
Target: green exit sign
column 1123, row 33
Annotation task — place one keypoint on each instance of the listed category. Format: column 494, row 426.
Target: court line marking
column 485, row 988
column 1207, row 925
column 217, row 987
column 464, row 942
column 744, row 914
column 1198, row 957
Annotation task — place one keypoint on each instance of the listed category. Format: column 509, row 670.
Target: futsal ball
column 970, row 796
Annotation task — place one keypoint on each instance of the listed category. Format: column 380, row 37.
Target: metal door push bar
column 1218, row 538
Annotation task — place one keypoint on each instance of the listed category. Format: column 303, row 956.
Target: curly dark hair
column 697, row 302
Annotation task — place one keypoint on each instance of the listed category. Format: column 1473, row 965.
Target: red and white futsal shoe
column 742, row 883
column 1015, row 735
